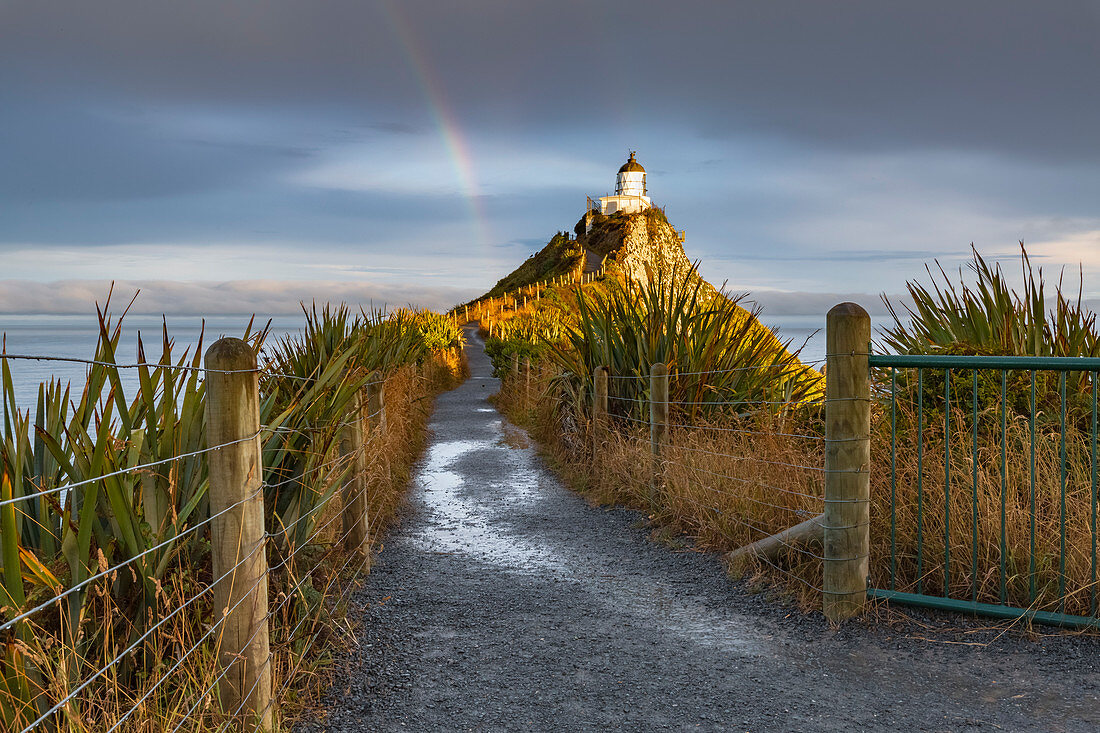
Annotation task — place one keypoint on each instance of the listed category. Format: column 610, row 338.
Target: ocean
column 76, row 337
column 810, row 330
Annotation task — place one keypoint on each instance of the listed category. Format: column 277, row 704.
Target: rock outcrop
column 629, row 244
column 634, row 244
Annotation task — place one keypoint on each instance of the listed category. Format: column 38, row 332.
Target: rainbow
column 445, row 120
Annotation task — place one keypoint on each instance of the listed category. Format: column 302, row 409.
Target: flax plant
column 57, row 540
column 991, row 318
column 720, row 358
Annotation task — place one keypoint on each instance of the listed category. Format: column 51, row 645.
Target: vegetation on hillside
column 561, row 256
column 564, row 255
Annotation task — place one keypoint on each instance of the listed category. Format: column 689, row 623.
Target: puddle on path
column 463, row 524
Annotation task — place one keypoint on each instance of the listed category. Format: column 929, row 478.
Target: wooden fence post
column 847, row 461
column 658, row 422
column 237, row 532
column 515, row 364
column 376, row 409
column 599, row 406
column 375, row 417
column 354, row 493
column 527, row 380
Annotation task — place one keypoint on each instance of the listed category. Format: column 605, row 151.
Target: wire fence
column 754, row 482
column 107, row 607
column 736, row 473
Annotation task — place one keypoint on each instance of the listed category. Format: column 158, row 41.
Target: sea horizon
column 74, row 337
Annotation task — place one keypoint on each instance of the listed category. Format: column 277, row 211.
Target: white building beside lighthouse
column 630, row 191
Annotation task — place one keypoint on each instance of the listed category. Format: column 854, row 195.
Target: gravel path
column 504, row 602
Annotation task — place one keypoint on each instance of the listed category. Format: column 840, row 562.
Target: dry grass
column 975, row 509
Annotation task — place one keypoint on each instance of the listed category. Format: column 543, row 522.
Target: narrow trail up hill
column 504, row 602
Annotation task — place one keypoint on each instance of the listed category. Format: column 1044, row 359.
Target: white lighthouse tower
column 630, row 190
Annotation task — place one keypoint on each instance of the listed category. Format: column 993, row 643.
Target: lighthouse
column 630, row 191
column 631, row 178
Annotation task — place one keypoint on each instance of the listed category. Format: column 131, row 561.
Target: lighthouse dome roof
column 632, row 166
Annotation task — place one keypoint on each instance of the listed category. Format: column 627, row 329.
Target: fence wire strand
column 130, row 469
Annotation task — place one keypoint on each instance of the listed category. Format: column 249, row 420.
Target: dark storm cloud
column 846, row 134
column 255, row 212
column 1019, row 77
column 56, row 150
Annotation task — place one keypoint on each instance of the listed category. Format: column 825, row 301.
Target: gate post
column 238, row 537
column 847, row 461
column 658, row 423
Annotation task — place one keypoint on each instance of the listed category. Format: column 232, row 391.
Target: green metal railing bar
column 1031, row 519
column 983, row 609
column 1062, row 487
column 947, row 482
column 920, row 480
column 1004, row 484
column 1092, row 525
column 1012, row 363
column 974, row 480
column 894, row 476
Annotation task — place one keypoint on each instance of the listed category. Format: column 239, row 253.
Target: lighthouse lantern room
column 631, row 178
column 630, row 191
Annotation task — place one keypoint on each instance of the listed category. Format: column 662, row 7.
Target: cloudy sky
column 408, row 150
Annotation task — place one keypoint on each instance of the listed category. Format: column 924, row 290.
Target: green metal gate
column 992, row 485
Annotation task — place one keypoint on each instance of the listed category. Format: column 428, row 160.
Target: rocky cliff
column 633, row 244
column 627, row 244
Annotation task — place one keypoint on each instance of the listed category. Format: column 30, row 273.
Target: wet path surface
column 504, row 602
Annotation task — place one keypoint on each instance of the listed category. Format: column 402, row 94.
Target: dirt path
column 592, row 261
column 504, row 602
